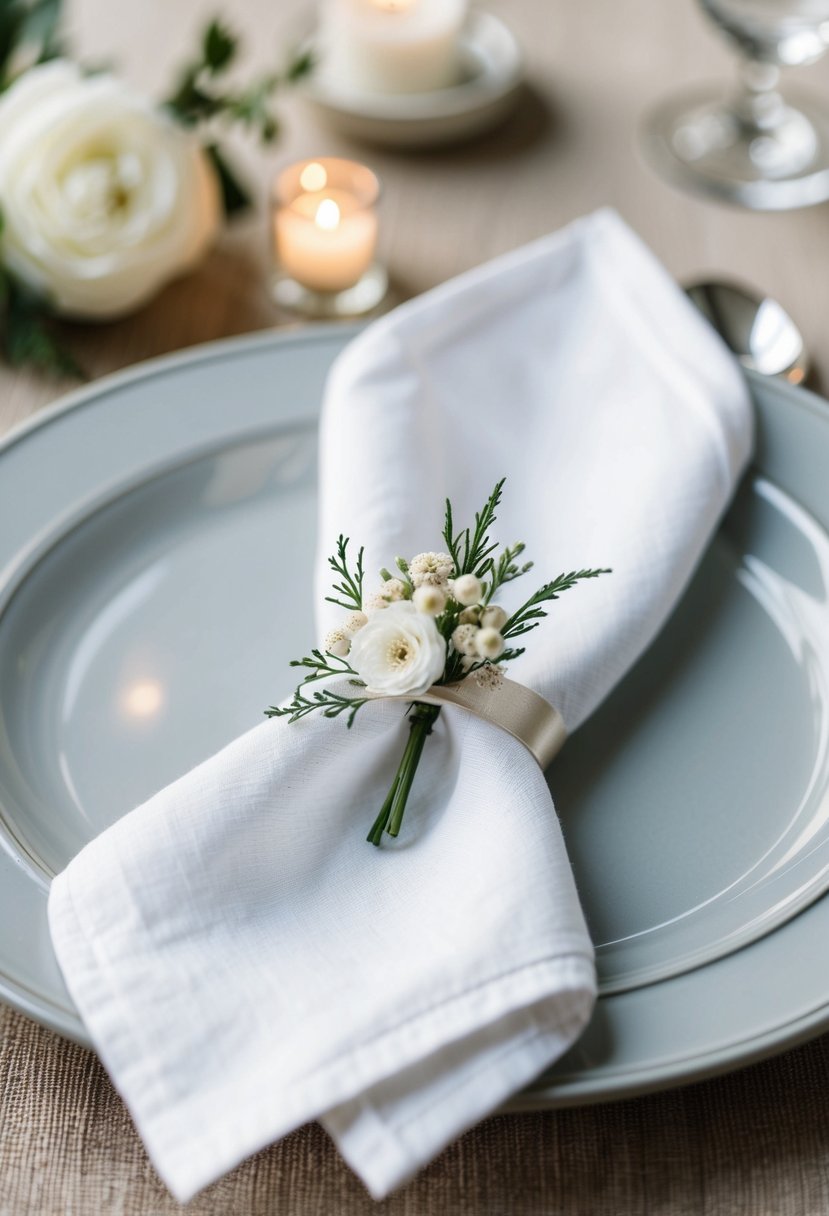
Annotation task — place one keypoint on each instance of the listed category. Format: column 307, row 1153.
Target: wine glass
column 756, row 147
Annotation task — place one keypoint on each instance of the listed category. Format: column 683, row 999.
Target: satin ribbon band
column 518, row 710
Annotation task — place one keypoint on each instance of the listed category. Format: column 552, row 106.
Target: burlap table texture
column 754, row 1143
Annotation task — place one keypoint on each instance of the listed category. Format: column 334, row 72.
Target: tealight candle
column 391, row 46
column 325, row 235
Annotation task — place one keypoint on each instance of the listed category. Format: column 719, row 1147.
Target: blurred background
column 571, row 144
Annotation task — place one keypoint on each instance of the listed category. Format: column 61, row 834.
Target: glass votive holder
column 324, row 227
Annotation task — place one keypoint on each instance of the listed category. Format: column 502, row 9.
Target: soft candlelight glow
column 324, row 224
column 328, row 215
column 313, row 177
column 391, row 46
column 143, row 699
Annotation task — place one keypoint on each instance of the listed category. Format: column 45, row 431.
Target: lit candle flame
column 328, row 215
column 313, row 177
column 393, row 6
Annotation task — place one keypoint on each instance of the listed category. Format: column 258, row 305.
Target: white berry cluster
column 425, row 586
column 478, row 633
column 425, row 582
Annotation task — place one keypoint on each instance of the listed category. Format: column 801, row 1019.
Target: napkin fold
column 242, row 959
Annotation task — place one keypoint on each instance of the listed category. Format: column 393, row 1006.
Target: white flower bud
column 392, row 591
column 431, row 569
column 493, row 617
column 489, row 644
column 467, row 589
column 354, row 621
column 338, row 643
column 469, row 616
column 489, row 677
column 395, row 589
column 463, row 639
column 430, row 600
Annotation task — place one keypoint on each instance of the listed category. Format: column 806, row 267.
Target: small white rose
column 338, row 642
column 463, row 639
column 399, row 651
column 493, row 617
column 469, row 616
column 354, row 621
column 431, row 569
column 489, row 644
column 467, row 589
column 429, row 599
column 104, row 197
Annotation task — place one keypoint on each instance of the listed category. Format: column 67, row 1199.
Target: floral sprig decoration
column 105, row 195
column 434, row 622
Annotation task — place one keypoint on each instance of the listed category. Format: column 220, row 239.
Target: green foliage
column 29, row 29
column 332, row 704
column 328, row 702
column 27, row 333
column 471, row 549
column 530, row 614
column 351, row 586
column 235, row 197
column 201, row 95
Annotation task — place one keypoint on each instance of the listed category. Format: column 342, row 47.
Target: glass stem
column 758, row 106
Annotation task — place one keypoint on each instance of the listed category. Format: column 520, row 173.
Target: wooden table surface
column 756, row 1142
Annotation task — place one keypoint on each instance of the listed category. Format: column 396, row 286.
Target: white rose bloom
column 399, row 652
column 104, row 198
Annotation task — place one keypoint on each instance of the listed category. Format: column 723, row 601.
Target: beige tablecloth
column 754, row 1143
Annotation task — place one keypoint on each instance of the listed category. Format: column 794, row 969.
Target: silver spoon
column 756, row 328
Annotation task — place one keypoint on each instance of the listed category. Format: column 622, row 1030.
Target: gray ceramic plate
column 144, row 527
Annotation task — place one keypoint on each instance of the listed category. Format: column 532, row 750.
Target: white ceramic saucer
column 493, row 71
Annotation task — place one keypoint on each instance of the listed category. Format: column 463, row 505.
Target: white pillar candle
column 391, row 46
column 325, row 223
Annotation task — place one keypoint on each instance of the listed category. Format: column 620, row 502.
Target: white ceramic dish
column 493, row 73
column 145, row 523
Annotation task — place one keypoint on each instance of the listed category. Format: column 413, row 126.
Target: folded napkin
column 243, row 960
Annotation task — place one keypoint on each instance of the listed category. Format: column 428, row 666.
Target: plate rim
column 576, row 1087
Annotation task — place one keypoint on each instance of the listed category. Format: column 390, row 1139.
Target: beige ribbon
column 518, row 710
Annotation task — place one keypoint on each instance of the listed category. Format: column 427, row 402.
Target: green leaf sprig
column 201, row 95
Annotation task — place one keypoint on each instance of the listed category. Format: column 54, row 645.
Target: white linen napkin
column 243, row 960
